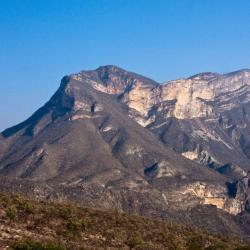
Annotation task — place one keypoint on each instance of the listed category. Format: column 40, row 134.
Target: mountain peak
column 205, row 76
column 112, row 79
column 109, row 67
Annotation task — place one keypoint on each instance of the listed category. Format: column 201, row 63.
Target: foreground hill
column 30, row 225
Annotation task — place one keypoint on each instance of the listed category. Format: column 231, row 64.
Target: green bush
column 242, row 248
column 34, row 245
column 219, row 246
column 66, row 212
column 74, row 225
column 11, row 212
column 195, row 243
column 134, row 241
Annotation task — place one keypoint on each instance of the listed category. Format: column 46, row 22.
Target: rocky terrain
column 30, row 225
column 111, row 138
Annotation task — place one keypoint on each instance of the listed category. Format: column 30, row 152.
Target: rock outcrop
column 204, row 117
column 124, row 140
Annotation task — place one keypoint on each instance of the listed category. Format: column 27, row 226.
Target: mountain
column 111, row 138
column 208, row 111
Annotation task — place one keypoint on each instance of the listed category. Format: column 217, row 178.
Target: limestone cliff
column 204, row 117
column 115, row 138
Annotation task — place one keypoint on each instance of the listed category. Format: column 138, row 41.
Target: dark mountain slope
column 87, row 144
column 205, row 117
column 81, row 132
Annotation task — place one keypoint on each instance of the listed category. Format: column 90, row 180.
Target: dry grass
column 37, row 225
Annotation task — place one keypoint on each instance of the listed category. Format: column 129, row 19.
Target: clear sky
column 43, row 40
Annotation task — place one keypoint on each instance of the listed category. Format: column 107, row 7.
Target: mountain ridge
column 147, row 148
column 66, row 77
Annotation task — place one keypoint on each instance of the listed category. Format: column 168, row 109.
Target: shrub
column 195, row 243
column 219, row 246
column 66, row 212
column 11, row 212
column 75, row 227
column 34, row 245
column 242, row 248
column 135, row 240
column 27, row 207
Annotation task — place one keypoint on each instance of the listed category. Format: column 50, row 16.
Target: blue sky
column 43, row 40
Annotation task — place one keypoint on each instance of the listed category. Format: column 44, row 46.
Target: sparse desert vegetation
column 39, row 225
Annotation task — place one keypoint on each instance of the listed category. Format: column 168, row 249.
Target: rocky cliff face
column 204, row 117
column 115, row 138
column 204, row 109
